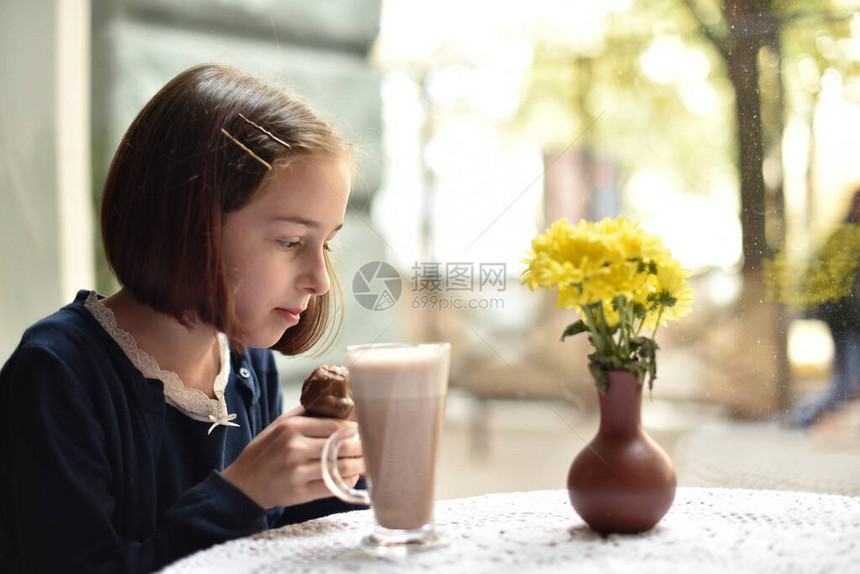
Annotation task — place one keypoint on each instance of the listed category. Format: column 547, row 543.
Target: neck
column 191, row 351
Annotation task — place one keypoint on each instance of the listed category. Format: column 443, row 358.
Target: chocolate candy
column 326, row 392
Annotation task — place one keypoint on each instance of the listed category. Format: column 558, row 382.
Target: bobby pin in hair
column 267, row 132
column 247, row 149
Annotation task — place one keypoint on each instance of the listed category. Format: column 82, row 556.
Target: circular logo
column 377, row 286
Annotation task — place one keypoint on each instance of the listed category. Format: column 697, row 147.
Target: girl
column 141, row 427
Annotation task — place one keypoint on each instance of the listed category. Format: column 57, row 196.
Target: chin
column 271, row 342
column 258, row 341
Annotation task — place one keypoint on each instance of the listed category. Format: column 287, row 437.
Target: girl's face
column 273, row 247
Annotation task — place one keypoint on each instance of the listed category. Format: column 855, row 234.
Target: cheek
column 243, row 281
column 257, row 282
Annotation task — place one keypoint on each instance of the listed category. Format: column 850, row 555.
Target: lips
column 291, row 315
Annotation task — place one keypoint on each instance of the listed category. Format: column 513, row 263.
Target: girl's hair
column 200, row 149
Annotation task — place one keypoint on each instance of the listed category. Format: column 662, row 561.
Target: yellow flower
column 669, row 295
column 632, row 241
column 619, row 279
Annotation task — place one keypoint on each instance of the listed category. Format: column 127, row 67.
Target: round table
column 706, row 530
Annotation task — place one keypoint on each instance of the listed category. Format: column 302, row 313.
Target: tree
column 741, row 30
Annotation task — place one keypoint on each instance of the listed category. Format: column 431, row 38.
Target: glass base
column 396, row 548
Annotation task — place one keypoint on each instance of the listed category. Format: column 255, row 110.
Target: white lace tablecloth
column 706, row 530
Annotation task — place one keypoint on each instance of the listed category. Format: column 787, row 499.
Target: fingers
column 348, row 448
column 294, row 412
column 298, row 438
column 303, row 439
column 317, row 427
column 312, row 448
column 317, row 489
column 282, row 466
column 349, row 468
column 321, row 427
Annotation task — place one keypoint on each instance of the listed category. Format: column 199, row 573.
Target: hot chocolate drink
column 399, row 393
column 400, row 401
column 401, row 465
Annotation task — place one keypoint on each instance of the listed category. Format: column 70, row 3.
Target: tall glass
column 399, row 392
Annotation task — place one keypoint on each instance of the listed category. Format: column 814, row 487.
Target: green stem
column 596, row 337
column 657, row 325
column 604, row 327
column 626, row 319
column 637, row 327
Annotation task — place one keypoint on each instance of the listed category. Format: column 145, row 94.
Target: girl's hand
column 281, row 465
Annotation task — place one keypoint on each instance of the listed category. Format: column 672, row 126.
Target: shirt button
column 244, row 373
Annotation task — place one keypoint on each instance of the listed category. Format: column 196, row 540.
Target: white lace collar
column 191, row 402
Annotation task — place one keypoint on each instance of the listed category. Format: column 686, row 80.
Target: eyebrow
column 303, row 221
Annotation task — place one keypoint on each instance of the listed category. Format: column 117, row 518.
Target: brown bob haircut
column 200, row 149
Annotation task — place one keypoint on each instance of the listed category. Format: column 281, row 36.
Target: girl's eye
column 292, row 244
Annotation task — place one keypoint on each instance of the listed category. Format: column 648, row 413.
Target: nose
column 314, row 278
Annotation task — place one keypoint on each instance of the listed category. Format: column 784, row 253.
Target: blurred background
column 729, row 128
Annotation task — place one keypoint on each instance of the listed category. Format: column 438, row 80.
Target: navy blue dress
column 99, row 474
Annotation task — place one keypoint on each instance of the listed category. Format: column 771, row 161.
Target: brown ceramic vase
column 622, row 481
